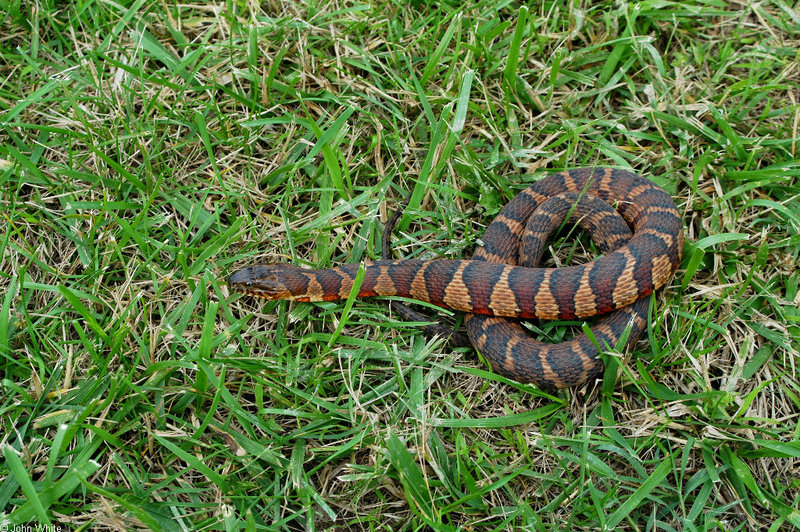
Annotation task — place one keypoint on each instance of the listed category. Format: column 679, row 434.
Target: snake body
column 492, row 286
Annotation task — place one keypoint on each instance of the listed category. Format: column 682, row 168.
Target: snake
column 502, row 283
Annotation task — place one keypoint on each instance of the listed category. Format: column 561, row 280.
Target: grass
column 148, row 149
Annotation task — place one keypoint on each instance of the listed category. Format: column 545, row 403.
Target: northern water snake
column 493, row 285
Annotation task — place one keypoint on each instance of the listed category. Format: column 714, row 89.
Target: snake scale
column 502, row 281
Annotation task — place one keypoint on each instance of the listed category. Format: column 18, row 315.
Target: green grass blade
column 17, row 469
column 652, row 482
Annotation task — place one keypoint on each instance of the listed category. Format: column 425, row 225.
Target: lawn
column 149, row 149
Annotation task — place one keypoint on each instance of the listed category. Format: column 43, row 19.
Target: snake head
column 273, row 281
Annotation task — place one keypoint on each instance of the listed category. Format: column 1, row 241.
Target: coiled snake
column 492, row 287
